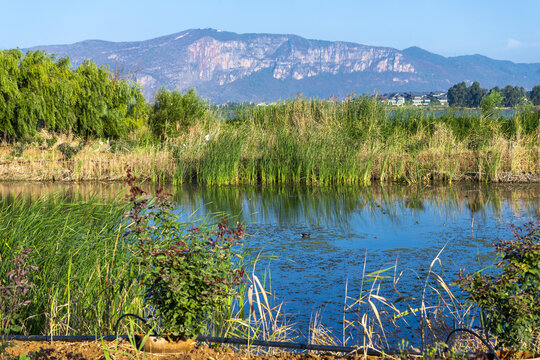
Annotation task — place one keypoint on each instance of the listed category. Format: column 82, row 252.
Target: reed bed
column 301, row 141
column 313, row 200
column 83, row 277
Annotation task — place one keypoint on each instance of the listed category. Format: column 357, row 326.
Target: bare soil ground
column 123, row 350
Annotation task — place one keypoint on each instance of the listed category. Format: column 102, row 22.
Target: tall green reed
column 85, row 278
column 326, row 142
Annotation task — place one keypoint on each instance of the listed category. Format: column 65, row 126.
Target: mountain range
column 225, row 66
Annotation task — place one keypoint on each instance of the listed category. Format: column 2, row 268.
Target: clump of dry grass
column 252, row 315
column 384, row 317
column 319, row 334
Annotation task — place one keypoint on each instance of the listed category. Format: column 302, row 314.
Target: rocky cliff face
column 225, row 66
column 334, row 58
column 227, row 61
column 218, row 61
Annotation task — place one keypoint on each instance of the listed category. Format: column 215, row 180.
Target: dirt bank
column 124, row 351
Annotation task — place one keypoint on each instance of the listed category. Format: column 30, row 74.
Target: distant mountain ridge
column 226, row 66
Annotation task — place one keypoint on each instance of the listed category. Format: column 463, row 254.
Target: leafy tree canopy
column 174, row 111
column 472, row 96
column 535, row 95
column 38, row 91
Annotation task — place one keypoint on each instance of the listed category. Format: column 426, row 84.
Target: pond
column 352, row 231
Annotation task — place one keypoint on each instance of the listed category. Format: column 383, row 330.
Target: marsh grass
column 303, row 141
column 84, row 278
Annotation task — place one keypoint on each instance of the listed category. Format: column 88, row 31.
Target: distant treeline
column 509, row 96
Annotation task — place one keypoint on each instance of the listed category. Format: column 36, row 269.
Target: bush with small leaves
column 174, row 111
column 17, row 150
column 189, row 272
column 511, row 298
column 68, row 151
column 51, row 141
column 14, row 292
column 38, row 139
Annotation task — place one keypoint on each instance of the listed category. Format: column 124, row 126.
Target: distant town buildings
column 396, row 100
column 415, row 99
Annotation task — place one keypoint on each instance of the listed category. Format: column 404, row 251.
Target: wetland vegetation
column 86, row 124
column 94, row 280
column 69, row 264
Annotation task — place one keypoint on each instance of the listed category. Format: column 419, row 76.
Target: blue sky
column 498, row 29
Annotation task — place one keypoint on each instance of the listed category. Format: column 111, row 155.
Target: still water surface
column 351, row 228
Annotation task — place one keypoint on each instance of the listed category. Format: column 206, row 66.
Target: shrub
column 38, row 139
column 68, row 151
column 511, row 298
column 14, row 293
column 17, row 150
column 51, row 141
column 189, row 273
column 173, row 112
column 490, row 103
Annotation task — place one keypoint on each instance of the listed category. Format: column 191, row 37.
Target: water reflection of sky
column 378, row 226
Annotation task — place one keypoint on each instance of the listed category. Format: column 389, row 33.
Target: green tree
column 490, row 103
column 512, row 95
column 37, row 91
column 9, row 90
column 475, row 95
column 174, row 111
column 461, row 95
column 457, row 95
column 30, row 107
column 535, row 95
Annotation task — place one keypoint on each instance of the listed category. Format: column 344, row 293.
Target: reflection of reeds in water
column 335, row 206
column 332, row 206
column 73, row 191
